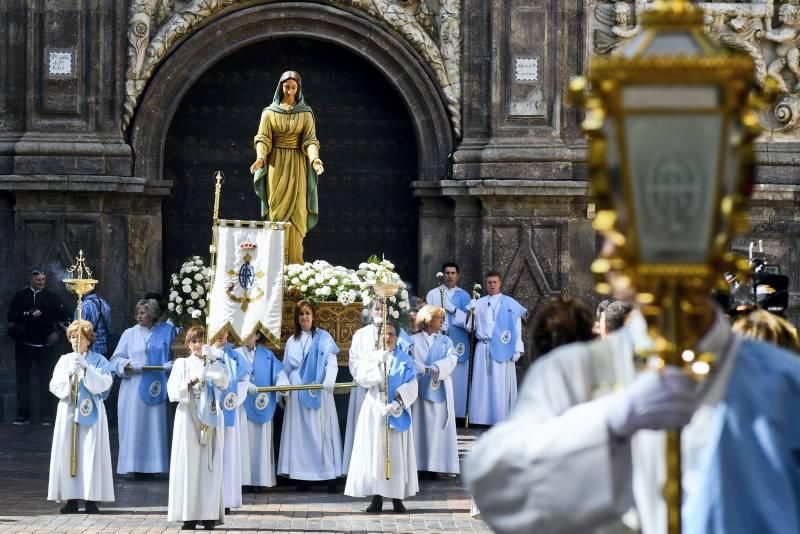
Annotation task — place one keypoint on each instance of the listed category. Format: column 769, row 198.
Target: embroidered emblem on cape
column 212, row 406
column 245, row 288
column 460, row 349
column 505, row 337
column 262, row 401
column 435, row 384
column 312, row 392
column 230, row 401
column 86, row 407
column 155, row 388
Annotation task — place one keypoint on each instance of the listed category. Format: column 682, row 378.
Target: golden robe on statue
column 286, row 180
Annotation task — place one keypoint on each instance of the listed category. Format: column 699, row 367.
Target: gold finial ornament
column 670, row 123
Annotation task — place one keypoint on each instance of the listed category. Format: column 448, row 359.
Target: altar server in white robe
column 435, row 439
column 93, row 481
column 455, row 301
column 256, row 413
column 579, row 449
column 233, row 397
column 195, row 477
column 365, row 340
column 497, row 320
column 311, row 444
column 141, row 405
column 367, row 475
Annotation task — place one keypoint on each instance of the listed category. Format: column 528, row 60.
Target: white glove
column 386, row 356
column 195, row 376
column 207, row 353
column 434, row 373
column 136, row 367
column 420, row 368
column 516, row 357
column 167, row 366
column 393, row 408
column 252, row 389
column 328, row 383
column 653, row 401
column 74, row 364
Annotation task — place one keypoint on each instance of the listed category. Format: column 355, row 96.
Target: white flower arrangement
column 322, row 282
column 186, row 303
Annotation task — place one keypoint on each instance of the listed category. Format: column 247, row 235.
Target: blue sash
column 261, row 407
column 153, row 386
column 312, row 370
column 459, row 336
column 404, row 341
column 750, row 478
column 504, row 338
column 88, row 404
column 429, row 390
column 238, row 369
column 207, row 409
column 401, row 372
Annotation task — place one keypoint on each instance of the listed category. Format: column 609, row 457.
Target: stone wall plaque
column 60, row 63
column 527, row 69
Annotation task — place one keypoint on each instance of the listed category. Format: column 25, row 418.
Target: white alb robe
column 435, row 438
column 494, row 384
column 574, row 477
column 232, row 453
column 258, row 456
column 142, row 427
column 367, row 474
column 94, row 479
column 460, row 374
column 365, row 340
column 195, row 483
column 311, row 443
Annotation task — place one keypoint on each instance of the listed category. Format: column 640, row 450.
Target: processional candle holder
column 670, row 119
column 386, row 289
column 80, row 282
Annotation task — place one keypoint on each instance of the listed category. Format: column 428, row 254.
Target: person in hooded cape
column 311, row 444
column 93, row 480
column 287, row 163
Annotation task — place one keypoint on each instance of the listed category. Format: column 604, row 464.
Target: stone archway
column 388, row 53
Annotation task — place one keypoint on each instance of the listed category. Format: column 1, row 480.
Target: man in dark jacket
column 35, row 313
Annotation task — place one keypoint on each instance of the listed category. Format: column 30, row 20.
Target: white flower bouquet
column 322, row 282
column 188, row 293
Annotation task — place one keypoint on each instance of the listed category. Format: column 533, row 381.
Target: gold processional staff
column 80, row 283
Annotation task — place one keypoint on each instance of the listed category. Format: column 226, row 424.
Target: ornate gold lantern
column 670, row 127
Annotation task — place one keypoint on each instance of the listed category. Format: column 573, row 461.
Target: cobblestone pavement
column 141, row 505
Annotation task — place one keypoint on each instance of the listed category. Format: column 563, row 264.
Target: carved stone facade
column 89, row 89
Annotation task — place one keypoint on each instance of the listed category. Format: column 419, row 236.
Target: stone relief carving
column 432, row 27
column 767, row 30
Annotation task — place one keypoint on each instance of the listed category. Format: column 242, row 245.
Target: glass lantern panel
column 673, row 162
column 671, row 97
column 614, row 172
column 730, row 177
column 672, row 44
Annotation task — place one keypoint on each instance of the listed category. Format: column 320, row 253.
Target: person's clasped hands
column 663, row 400
column 393, row 408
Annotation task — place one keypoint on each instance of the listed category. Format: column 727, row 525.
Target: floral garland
column 188, row 291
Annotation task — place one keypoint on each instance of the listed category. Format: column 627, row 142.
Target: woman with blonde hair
column 93, row 480
column 141, row 405
column 766, row 326
column 433, row 414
